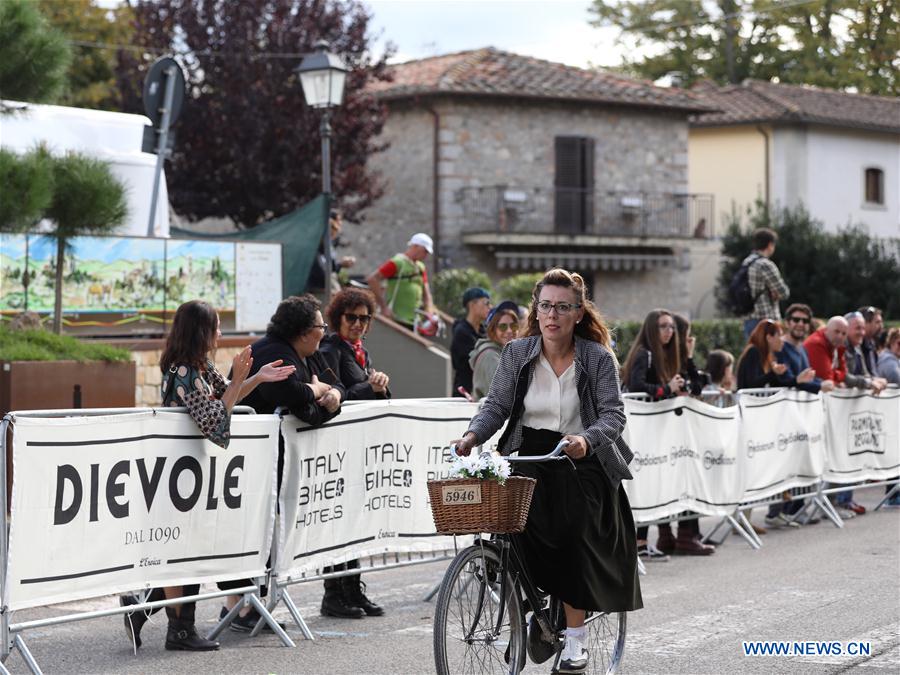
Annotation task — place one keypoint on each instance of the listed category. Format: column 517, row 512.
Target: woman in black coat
column 350, row 313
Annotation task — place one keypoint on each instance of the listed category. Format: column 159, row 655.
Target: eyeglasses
column 503, row 327
column 799, row 319
column 667, row 326
column 323, row 326
column 562, row 308
column 362, row 318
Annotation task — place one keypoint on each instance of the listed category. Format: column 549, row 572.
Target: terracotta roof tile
column 756, row 101
column 491, row 72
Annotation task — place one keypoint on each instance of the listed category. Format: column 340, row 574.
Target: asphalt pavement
column 816, row 583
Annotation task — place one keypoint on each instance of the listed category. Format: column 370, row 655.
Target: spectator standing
column 350, row 313
column 874, row 327
column 767, row 286
column 825, row 349
column 502, row 327
column 793, row 353
column 652, row 367
column 407, row 282
column 860, row 364
column 889, row 358
column 720, row 368
column 190, row 380
column 757, row 365
column 467, row 330
column 317, row 273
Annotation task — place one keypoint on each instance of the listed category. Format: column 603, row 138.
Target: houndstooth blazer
column 602, row 410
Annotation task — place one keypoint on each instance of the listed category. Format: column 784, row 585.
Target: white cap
column 423, row 240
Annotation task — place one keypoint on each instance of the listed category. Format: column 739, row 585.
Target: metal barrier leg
column 828, row 509
column 710, row 536
column 750, row 538
column 226, row 620
column 433, row 592
column 269, row 619
column 894, row 490
column 271, row 602
column 295, row 613
column 3, row 670
column 29, row 659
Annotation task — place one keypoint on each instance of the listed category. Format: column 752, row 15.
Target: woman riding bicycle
column 561, row 381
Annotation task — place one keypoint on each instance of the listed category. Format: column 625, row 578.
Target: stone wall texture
column 149, row 377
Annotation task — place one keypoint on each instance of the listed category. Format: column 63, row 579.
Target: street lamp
column 322, row 76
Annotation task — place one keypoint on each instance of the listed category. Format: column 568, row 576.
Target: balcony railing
column 503, row 208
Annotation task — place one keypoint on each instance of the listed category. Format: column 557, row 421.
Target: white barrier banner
column 357, row 485
column 782, row 443
column 684, row 458
column 109, row 504
column 863, row 435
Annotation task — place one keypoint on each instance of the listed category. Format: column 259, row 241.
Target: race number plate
column 461, row 494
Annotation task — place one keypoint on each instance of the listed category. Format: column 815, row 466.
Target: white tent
column 110, row 136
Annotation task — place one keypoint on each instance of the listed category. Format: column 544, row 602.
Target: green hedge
column 42, row 345
column 727, row 334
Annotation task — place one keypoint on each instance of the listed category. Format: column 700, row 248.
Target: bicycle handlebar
column 554, row 454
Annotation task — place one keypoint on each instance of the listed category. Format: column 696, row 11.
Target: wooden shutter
column 574, row 184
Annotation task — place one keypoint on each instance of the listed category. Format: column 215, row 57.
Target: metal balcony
column 574, row 211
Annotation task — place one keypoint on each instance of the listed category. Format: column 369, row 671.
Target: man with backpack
column 757, row 286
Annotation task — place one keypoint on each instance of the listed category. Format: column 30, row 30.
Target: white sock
column 577, row 633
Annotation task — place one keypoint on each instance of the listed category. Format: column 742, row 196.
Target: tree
column 247, row 146
column 26, row 188
column 33, row 56
column 831, row 43
column 87, row 199
column 92, row 74
column 832, row 273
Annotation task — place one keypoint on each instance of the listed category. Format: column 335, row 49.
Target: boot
column 134, row 621
column 354, row 594
column 666, row 542
column 689, row 544
column 182, row 634
column 335, row 604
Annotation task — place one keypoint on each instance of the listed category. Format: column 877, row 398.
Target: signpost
column 163, row 95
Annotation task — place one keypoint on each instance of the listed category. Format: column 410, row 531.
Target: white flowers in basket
column 484, row 466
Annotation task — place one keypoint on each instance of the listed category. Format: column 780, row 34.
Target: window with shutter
column 574, row 184
column 874, row 186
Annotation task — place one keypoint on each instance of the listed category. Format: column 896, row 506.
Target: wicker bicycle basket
column 502, row 509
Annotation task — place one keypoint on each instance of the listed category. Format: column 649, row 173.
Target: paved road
column 816, row 583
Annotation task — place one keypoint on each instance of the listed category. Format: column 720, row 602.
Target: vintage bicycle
column 485, row 597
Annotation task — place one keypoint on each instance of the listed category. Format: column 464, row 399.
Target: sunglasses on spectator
column 799, row 319
column 503, row 327
column 562, row 308
column 362, row 318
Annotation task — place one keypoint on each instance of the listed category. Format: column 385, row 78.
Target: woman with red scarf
column 350, row 312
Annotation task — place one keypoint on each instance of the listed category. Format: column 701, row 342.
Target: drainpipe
column 436, row 191
column 765, row 135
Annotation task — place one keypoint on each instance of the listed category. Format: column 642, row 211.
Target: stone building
column 515, row 164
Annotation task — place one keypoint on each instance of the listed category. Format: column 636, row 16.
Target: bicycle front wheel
column 468, row 637
column 605, row 642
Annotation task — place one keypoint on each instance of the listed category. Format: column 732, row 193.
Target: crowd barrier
column 105, row 502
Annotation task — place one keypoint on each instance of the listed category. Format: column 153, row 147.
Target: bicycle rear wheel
column 605, row 642
column 466, row 639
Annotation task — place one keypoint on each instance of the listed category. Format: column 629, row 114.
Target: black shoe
column 246, row 623
column 355, row 595
column 574, row 657
column 133, row 621
column 334, row 604
column 539, row 650
column 182, row 636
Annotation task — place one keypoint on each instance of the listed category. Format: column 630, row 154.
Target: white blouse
column 552, row 402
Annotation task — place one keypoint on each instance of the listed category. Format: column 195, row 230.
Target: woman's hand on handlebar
column 577, row 447
column 465, row 444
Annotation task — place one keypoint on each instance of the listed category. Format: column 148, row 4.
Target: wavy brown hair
column 591, row 327
column 666, row 358
column 192, row 336
column 763, row 329
column 345, row 300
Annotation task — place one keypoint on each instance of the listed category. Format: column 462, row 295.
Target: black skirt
column 579, row 543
